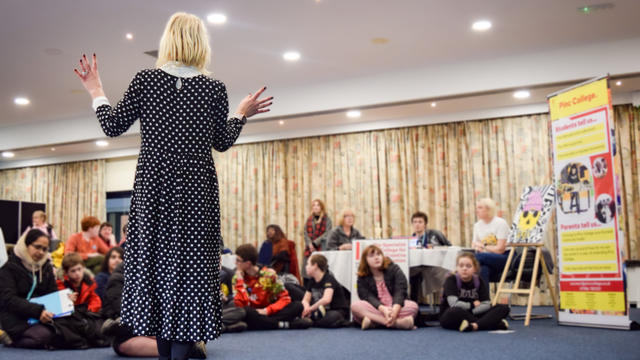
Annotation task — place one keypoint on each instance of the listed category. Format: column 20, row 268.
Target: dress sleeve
column 226, row 130
column 117, row 120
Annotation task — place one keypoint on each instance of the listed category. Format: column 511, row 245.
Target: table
column 444, row 257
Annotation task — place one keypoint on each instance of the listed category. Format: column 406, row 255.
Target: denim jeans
column 491, row 265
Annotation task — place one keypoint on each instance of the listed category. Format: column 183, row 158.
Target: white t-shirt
column 490, row 233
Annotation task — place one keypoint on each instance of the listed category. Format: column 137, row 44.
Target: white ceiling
column 431, row 50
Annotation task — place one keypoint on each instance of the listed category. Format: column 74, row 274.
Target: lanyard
column 33, row 287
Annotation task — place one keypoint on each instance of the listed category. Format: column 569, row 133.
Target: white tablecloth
column 444, row 257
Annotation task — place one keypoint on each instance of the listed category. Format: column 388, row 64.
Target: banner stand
column 589, row 216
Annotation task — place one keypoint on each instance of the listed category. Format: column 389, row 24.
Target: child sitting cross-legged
column 465, row 300
column 264, row 298
column 382, row 289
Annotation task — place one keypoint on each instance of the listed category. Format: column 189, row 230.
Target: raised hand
column 89, row 76
column 251, row 105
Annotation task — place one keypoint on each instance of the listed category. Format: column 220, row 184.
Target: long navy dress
column 173, row 242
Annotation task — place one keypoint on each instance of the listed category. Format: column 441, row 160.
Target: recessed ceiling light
column 102, row 143
column 618, row 83
column 482, row 25
column 379, row 40
column 521, row 94
column 291, row 56
column 8, row 154
column 217, row 18
column 281, row 122
column 129, row 36
column 22, row 101
column 353, row 114
column 433, row 104
column 53, row 149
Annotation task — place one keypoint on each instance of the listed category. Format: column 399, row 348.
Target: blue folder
column 57, row 302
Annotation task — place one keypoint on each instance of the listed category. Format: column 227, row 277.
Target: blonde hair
column 490, row 205
column 185, row 40
column 41, row 214
column 342, row 215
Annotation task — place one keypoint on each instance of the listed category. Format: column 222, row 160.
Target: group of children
column 269, row 303
column 258, row 299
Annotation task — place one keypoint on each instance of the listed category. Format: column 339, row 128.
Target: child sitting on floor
column 83, row 286
column 465, row 300
column 324, row 301
column 382, row 289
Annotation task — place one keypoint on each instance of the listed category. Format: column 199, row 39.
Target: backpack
column 476, row 282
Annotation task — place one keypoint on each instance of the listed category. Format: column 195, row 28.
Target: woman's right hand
column 89, row 76
column 46, row 316
column 250, row 105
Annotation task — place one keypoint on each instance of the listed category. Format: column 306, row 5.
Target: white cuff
column 100, row 100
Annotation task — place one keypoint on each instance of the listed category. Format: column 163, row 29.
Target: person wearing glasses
column 27, row 274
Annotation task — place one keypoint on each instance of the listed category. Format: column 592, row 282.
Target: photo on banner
column 532, row 215
column 590, row 249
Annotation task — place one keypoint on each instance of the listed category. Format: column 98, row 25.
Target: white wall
column 120, row 173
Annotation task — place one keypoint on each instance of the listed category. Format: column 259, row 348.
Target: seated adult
column 106, row 235
column 342, row 235
column 426, row 280
column 88, row 244
column 324, row 301
column 490, row 240
column 279, row 253
column 124, row 342
column 27, row 274
column 428, row 238
column 39, row 221
column 114, row 257
column 123, row 241
column 382, row 289
column 267, row 303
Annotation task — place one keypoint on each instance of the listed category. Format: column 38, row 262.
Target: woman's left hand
column 89, row 76
column 251, row 105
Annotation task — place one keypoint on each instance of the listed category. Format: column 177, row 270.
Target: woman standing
column 173, row 242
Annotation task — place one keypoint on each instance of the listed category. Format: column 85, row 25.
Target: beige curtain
column 627, row 124
column 384, row 176
column 71, row 191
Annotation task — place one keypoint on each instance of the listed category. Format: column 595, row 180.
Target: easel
column 539, row 259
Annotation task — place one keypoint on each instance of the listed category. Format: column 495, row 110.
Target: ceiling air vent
column 152, row 53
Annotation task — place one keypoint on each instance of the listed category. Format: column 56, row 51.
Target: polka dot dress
column 172, row 254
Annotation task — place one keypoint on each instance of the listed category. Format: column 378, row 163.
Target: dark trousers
column 256, row 321
column 35, row 337
column 491, row 265
column 331, row 319
column 491, row 320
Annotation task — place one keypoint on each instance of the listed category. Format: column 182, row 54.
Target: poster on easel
column 532, row 215
column 590, row 242
column 396, row 250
